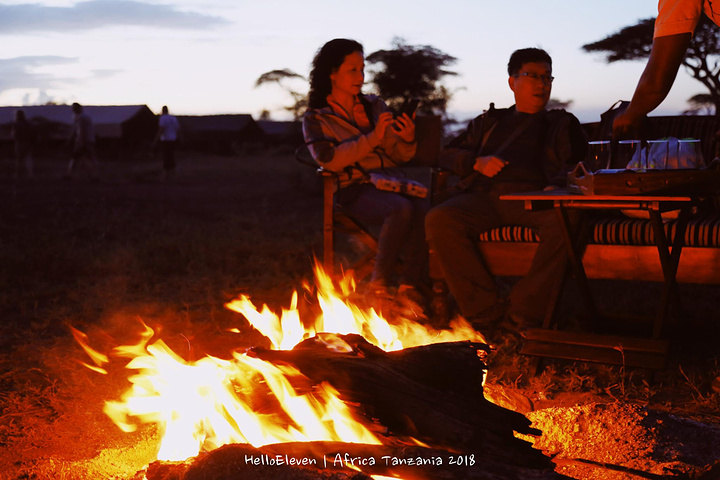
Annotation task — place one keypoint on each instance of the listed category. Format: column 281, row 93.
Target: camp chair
column 428, row 131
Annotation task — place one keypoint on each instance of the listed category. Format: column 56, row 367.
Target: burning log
column 432, row 393
column 429, row 397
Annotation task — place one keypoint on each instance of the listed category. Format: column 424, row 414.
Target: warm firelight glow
column 202, row 405
column 340, row 315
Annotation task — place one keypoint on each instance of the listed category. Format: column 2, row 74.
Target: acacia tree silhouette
column 702, row 58
column 283, row 78
column 396, row 75
column 410, row 71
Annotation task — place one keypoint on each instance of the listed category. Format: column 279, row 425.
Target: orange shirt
column 682, row 16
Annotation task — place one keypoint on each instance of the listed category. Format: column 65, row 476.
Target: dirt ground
column 101, row 256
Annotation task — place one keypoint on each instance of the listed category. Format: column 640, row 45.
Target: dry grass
column 102, row 256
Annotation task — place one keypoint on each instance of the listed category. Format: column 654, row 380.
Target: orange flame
column 344, row 317
column 202, row 405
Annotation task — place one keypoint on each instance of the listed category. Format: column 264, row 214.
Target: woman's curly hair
column 327, row 59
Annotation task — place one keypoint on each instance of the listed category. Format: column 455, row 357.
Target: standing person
column 167, row 135
column 24, row 137
column 521, row 148
column 353, row 134
column 674, row 27
column 83, row 142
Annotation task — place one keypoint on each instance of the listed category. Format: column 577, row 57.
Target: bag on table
column 675, row 156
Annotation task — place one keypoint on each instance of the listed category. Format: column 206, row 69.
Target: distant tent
column 221, row 134
column 121, row 127
column 281, row 133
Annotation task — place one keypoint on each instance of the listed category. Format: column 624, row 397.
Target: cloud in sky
column 93, row 14
column 20, row 72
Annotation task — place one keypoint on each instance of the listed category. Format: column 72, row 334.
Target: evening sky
column 203, row 56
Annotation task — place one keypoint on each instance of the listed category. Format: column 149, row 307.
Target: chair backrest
column 704, row 127
column 429, row 133
column 302, row 155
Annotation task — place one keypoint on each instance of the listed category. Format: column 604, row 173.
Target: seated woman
column 353, row 134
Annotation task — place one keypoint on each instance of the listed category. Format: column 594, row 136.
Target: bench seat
column 618, row 248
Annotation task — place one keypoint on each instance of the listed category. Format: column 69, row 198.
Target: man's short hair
column 527, row 55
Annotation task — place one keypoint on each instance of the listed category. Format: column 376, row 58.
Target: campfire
column 345, row 391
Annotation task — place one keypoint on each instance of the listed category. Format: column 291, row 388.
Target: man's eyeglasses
column 535, row 76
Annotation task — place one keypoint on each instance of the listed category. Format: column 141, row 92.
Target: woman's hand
column 489, row 166
column 383, row 123
column 405, row 127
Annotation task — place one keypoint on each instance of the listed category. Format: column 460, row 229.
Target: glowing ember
column 202, row 405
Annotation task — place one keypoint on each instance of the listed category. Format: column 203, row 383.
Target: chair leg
column 328, row 224
column 549, row 319
column 335, row 221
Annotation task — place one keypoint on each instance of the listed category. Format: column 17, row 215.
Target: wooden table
column 649, row 352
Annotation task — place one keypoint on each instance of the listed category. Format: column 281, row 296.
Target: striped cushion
column 510, row 233
column 702, row 231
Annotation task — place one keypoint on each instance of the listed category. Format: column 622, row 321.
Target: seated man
column 521, row 148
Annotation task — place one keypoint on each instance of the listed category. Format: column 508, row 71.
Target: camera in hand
column 408, row 107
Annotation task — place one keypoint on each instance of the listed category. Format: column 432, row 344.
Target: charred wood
column 432, row 393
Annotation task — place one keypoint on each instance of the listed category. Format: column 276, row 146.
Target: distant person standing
column 167, row 135
column 82, row 141
column 24, row 137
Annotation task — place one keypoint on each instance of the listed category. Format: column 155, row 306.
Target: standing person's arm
column 658, row 77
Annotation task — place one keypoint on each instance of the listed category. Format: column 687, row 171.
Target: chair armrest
column 303, row 156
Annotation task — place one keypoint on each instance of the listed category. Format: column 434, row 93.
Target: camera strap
column 468, row 181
